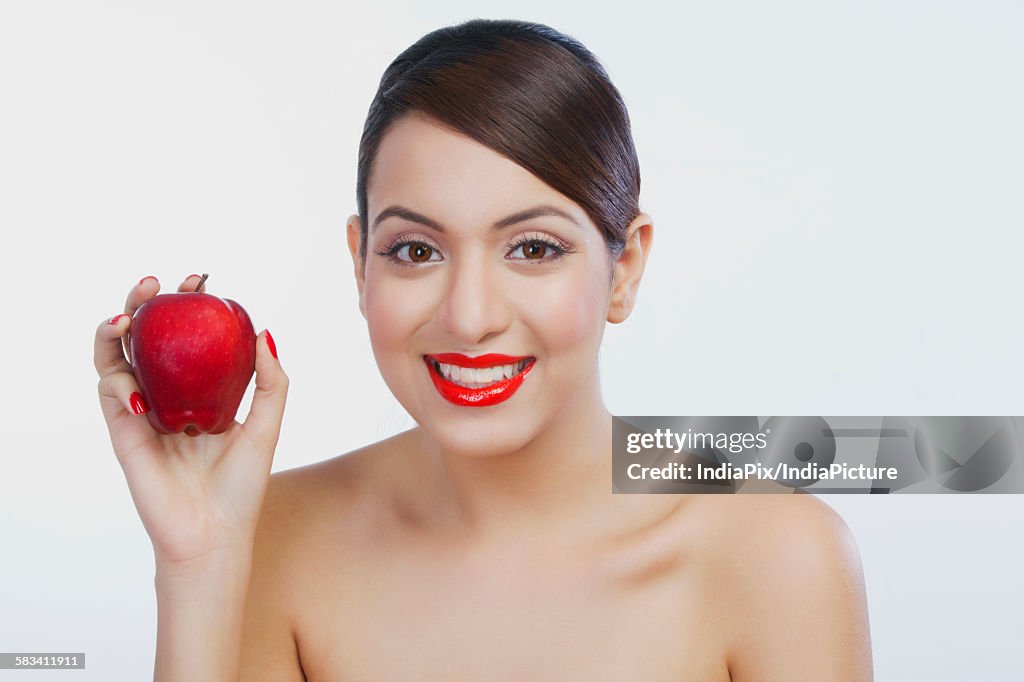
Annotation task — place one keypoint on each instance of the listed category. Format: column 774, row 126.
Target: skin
column 199, row 498
column 484, row 544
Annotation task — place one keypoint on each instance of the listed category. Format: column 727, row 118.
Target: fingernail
column 271, row 345
column 139, row 405
column 116, row 318
column 149, row 277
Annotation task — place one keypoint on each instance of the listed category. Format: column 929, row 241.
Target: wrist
column 204, row 576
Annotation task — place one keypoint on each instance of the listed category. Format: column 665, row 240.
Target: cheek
column 566, row 312
column 393, row 311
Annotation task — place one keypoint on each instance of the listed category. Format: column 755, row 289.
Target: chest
column 496, row 618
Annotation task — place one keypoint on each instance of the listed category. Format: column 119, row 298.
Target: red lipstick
column 493, row 394
column 489, row 360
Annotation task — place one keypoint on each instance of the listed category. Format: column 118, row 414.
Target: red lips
column 477, row 397
column 489, row 360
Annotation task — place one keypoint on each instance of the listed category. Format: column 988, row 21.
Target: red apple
column 193, row 355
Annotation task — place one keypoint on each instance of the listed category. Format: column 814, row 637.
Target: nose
column 475, row 306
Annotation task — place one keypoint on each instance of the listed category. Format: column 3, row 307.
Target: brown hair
column 528, row 92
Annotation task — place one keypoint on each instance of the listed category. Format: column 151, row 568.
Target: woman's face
column 477, row 281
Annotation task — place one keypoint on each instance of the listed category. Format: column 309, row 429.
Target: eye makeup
column 410, row 249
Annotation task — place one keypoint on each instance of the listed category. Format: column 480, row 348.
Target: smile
column 480, row 381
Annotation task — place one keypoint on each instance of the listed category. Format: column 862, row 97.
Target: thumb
column 263, row 423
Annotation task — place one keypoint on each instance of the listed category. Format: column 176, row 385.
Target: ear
column 629, row 268
column 354, row 229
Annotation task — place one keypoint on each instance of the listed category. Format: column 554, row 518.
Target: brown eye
column 538, row 249
column 534, row 250
column 420, row 253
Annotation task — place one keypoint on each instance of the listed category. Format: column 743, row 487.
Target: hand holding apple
column 197, row 491
column 193, row 355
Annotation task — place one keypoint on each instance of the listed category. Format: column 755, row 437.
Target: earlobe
column 629, row 268
column 354, row 232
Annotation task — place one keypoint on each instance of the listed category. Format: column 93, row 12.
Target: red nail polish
column 271, row 344
column 139, row 405
column 149, row 277
column 116, row 318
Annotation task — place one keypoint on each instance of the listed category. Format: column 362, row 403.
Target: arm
column 269, row 650
column 230, row 619
column 199, row 618
column 800, row 608
column 199, row 498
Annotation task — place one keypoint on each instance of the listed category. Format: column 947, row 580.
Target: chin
column 478, row 440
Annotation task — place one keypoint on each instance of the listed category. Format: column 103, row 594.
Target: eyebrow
column 518, row 217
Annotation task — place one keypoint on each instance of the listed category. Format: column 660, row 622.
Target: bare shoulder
column 300, row 500
column 790, row 574
column 324, row 477
column 302, row 525
column 784, row 531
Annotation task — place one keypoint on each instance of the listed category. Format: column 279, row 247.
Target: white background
column 838, row 230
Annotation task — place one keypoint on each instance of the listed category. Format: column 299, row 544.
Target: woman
column 498, row 230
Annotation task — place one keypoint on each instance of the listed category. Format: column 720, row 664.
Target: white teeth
column 472, row 377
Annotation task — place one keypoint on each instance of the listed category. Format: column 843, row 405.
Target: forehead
column 452, row 178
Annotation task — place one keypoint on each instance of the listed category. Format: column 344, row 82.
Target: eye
column 410, row 252
column 537, row 249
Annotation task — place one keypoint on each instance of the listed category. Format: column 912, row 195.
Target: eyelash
column 559, row 249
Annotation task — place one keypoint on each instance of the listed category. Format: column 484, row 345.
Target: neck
column 551, row 481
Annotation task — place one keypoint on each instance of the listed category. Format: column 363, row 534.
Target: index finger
column 193, row 284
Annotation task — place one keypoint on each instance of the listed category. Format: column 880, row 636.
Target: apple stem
column 202, row 282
